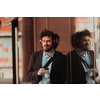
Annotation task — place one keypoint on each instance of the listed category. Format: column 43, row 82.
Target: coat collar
column 75, row 53
column 56, row 54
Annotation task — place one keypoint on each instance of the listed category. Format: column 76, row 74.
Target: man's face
column 84, row 43
column 47, row 43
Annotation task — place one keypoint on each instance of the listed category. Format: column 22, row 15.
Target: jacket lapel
column 56, row 54
column 40, row 59
column 91, row 56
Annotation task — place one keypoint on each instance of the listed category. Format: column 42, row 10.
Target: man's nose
column 45, row 42
column 88, row 42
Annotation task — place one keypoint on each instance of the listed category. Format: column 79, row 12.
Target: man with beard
column 81, row 61
column 57, row 66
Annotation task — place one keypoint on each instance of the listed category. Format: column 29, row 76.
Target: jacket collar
column 75, row 53
column 56, row 54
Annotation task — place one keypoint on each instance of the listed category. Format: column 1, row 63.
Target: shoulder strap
column 85, row 63
column 47, row 64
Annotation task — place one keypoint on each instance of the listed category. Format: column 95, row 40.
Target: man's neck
column 81, row 51
column 50, row 52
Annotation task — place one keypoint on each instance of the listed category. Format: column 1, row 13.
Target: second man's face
column 84, row 43
column 47, row 43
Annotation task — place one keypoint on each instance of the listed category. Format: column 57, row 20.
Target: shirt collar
column 79, row 54
column 44, row 54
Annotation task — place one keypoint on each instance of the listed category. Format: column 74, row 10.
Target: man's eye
column 84, row 40
column 48, row 41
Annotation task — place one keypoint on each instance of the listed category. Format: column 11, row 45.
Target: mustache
column 46, row 45
column 86, row 44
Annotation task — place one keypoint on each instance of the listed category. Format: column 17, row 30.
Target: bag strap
column 85, row 63
column 47, row 64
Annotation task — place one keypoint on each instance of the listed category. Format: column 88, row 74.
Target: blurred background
column 19, row 38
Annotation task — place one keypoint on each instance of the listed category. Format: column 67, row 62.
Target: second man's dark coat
column 76, row 73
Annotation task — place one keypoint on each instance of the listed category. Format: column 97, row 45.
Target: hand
column 41, row 71
column 95, row 70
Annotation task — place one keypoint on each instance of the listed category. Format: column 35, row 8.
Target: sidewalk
column 10, row 81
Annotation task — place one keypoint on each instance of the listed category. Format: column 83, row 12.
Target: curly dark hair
column 49, row 33
column 76, row 37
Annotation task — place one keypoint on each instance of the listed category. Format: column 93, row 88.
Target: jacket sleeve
column 67, row 68
column 96, row 74
column 62, row 70
column 95, row 65
column 31, row 74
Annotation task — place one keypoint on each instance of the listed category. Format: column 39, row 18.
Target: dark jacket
column 57, row 75
column 75, row 68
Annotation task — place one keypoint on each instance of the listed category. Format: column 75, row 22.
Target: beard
column 84, row 47
column 47, row 48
